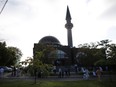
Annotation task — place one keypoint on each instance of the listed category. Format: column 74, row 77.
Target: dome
column 49, row 39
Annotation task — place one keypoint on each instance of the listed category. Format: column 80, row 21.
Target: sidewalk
column 73, row 77
column 49, row 78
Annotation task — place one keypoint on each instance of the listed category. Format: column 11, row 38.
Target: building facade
column 64, row 55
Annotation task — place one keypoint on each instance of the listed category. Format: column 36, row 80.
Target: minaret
column 69, row 26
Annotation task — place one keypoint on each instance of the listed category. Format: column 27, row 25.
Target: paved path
column 50, row 78
column 55, row 78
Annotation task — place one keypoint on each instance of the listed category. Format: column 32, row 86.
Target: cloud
column 24, row 22
column 109, row 13
column 13, row 5
column 16, row 8
column 87, row 1
column 110, row 1
column 111, row 33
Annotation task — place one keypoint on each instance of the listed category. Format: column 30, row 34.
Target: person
column 86, row 74
column 1, row 72
column 76, row 68
column 83, row 71
column 68, row 72
column 106, row 68
column 60, row 72
column 94, row 74
column 98, row 72
column 14, row 71
column 54, row 69
column 100, row 68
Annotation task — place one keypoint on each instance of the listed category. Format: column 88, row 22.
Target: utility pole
column 3, row 4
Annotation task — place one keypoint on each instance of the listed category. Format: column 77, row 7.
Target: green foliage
column 38, row 65
column 111, row 55
column 99, row 53
column 17, row 53
column 104, row 43
column 45, row 52
column 9, row 55
column 87, row 56
column 100, row 62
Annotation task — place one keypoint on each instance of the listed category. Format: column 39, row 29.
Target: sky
column 25, row 22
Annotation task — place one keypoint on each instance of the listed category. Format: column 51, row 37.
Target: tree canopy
column 9, row 55
column 98, row 53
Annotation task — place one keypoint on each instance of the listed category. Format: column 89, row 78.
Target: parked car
column 6, row 69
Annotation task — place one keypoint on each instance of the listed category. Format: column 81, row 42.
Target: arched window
column 58, row 54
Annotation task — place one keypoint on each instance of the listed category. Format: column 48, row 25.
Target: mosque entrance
column 58, row 57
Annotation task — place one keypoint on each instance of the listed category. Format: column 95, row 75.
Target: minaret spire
column 68, row 16
column 69, row 26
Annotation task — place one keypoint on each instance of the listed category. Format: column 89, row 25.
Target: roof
column 49, row 39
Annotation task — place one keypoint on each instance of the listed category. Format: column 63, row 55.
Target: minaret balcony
column 69, row 25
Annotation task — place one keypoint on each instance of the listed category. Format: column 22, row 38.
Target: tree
column 104, row 43
column 93, row 52
column 37, row 66
column 46, row 50
column 104, row 46
column 16, row 54
column 111, row 54
column 3, row 53
column 9, row 55
column 87, row 56
column 106, row 53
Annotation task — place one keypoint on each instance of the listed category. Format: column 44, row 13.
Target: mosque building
column 65, row 55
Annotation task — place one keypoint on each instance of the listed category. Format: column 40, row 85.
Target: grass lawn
column 84, row 83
